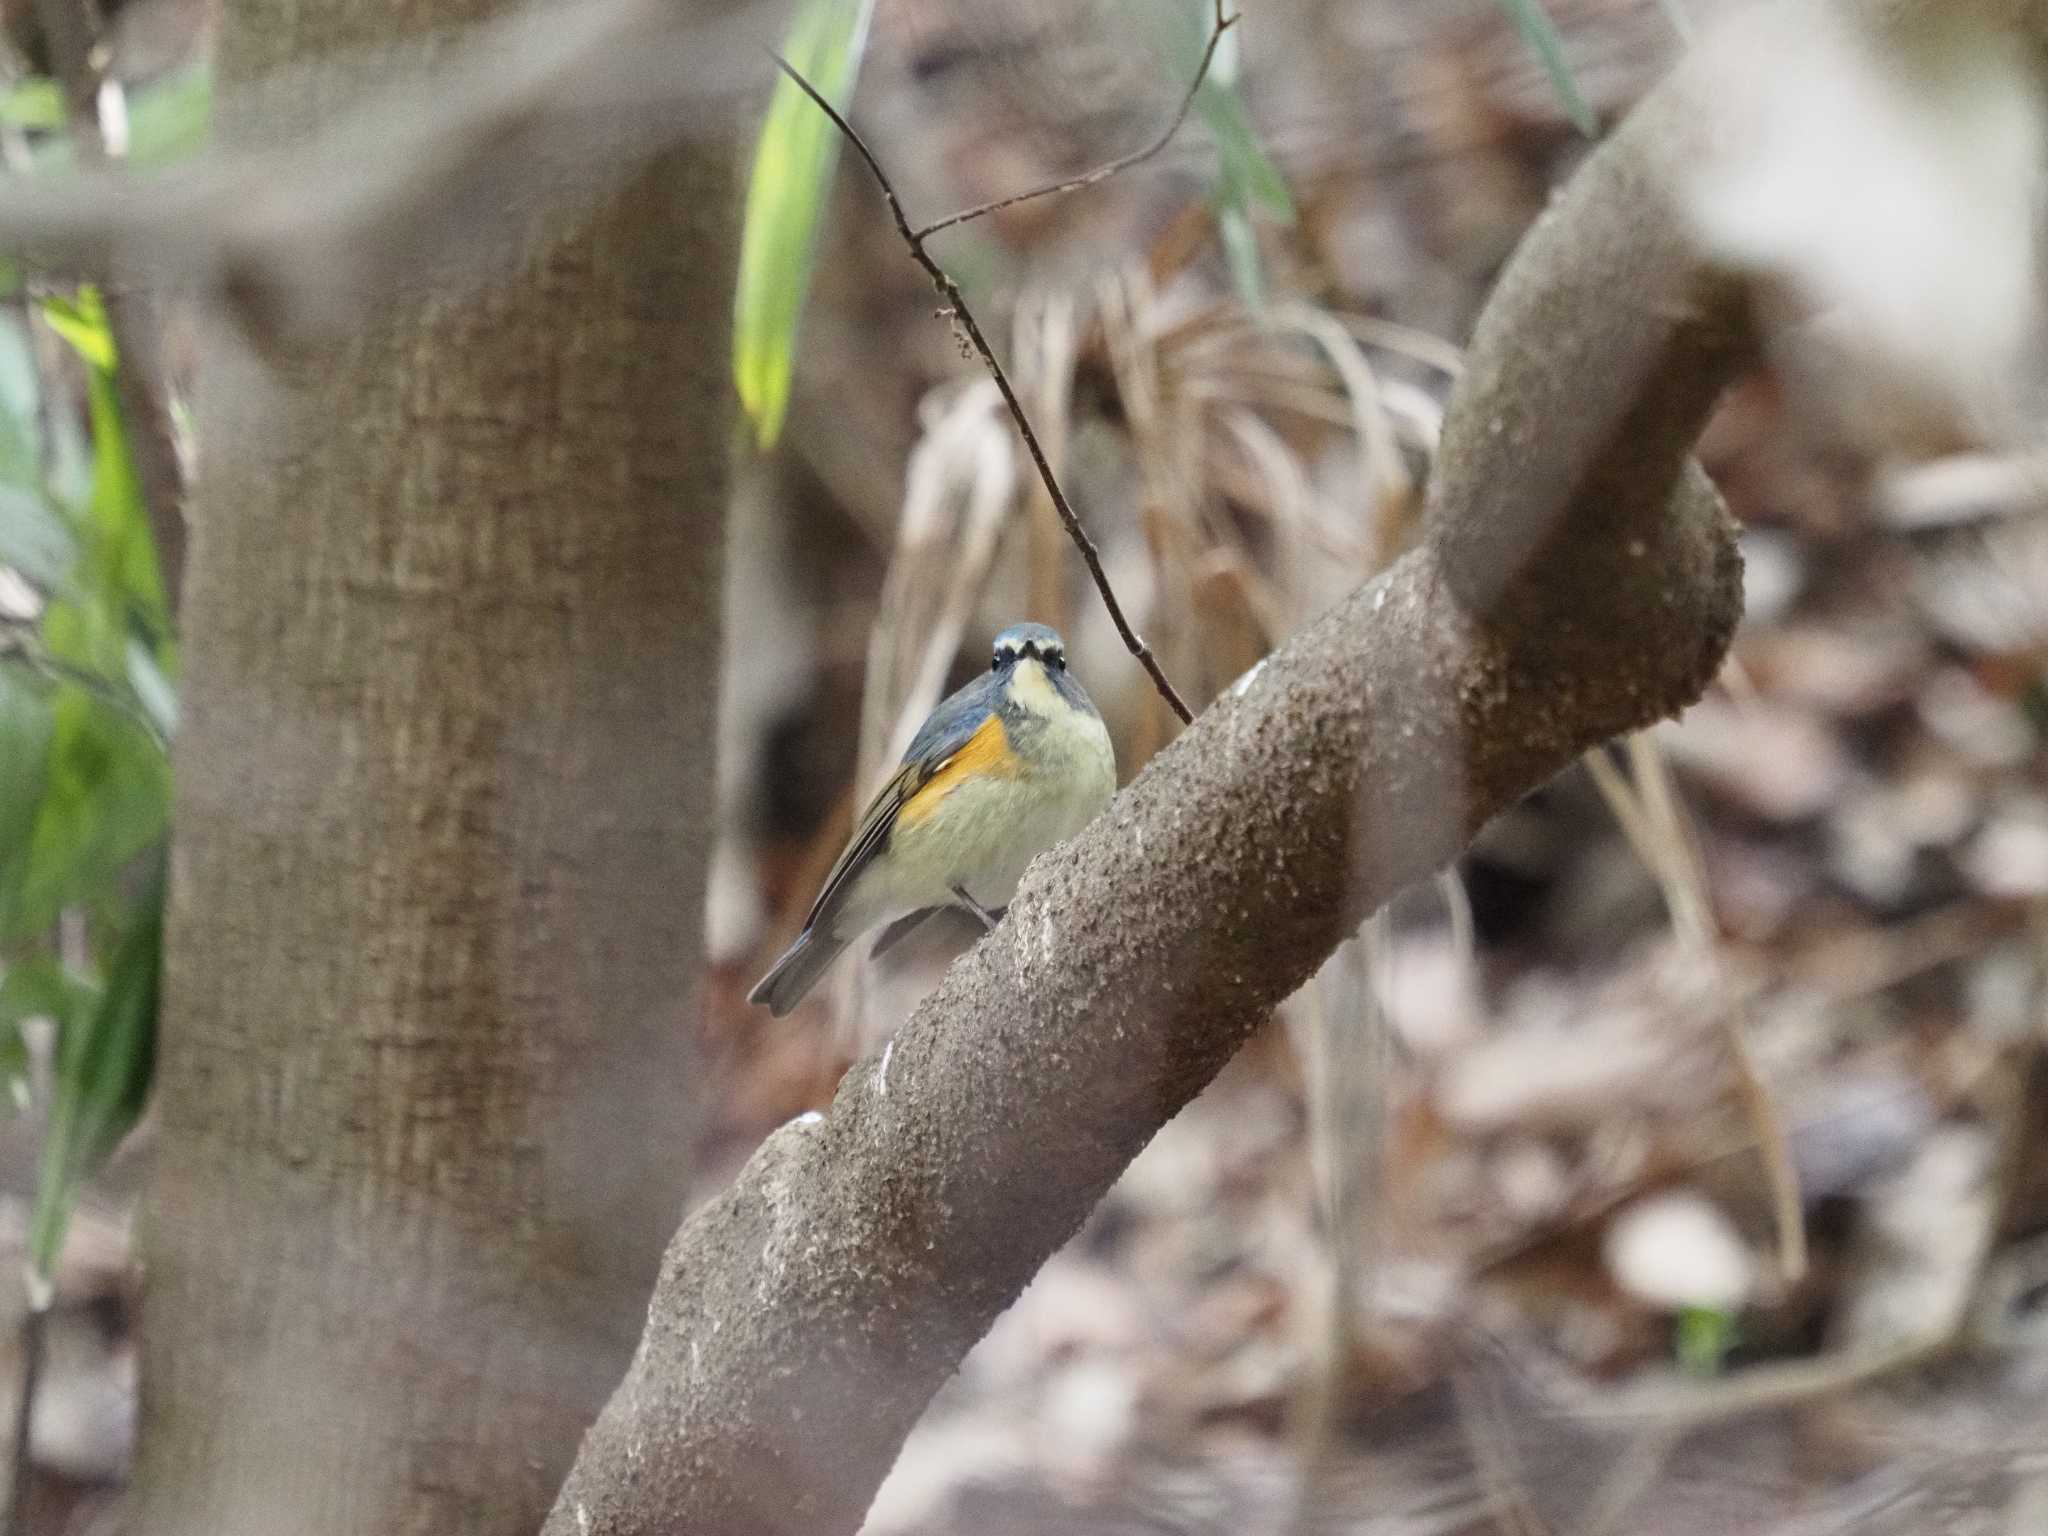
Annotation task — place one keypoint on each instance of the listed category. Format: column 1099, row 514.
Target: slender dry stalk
column 1655, row 826
column 1491, row 1437
column 1046, row 342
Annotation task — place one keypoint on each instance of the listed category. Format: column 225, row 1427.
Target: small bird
column 1011, row 764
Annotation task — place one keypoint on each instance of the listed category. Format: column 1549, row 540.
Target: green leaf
column 39, row 987
column 82, row 321
column 105, row 797
column 21, row 457
column 1538, row 32
column 1241, row 251
column 26, row 725
column 35, row 102
column 1248, row 183
column 152, row 689
column 34, row 539
column 793, row 163
column 1705, row 1336
column 170, row 119
column 104, row 1066
column 120, row 518
column 123, row 573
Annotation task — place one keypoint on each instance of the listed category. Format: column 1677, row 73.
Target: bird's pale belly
column 991, row 827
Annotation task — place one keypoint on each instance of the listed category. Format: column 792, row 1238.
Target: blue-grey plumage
column 1014, row 762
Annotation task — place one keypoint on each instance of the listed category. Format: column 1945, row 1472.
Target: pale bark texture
column 441, row 830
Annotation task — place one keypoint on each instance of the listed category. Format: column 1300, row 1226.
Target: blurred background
column 1494, row 1226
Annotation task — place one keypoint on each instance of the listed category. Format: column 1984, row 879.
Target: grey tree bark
column 441, row 830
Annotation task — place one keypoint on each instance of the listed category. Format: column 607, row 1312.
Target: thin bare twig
column 1111, row 167
column 957, row 307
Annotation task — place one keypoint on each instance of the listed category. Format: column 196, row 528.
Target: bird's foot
column 988, row 919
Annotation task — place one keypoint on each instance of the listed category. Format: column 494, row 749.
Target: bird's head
column 1029, row 642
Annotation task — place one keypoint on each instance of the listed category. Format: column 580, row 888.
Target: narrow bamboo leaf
column 1245, row 168
column 40, row 987
column 1541, row 35
column 104, row 798
column 123, row 555
column 104, row 1066
column 1248, row 183
column 793, row 163
column 1241, row 251
column 152, row 689
column 82, row 321
column 26, row 725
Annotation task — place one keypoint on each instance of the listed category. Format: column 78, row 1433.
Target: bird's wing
column 952, row 726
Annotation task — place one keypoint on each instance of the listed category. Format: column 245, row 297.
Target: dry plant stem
column 35, row 1324
column 1490, row 1436
column 133, row 318
column 964, row 317
column 1580, row 580
column 1656, row 830
column 1102, row 172
column 1694, row 914
column 1349, row 1042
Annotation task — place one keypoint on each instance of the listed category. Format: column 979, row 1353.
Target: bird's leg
column 988, row 919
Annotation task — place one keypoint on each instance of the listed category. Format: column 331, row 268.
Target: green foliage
column 105, row 1058
column 26, row 725
column 35, row 102
column 34, row 539
column 37, row 988
column 1705, row 1336
column 87, row 706
column 1541, row 35
column 793, row 163
column 168, row 119
column 1248, row 184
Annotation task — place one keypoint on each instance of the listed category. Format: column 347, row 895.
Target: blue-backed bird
column 1011, row 764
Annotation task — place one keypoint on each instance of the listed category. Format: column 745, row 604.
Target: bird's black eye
column 1057, row 660
column 996, row 662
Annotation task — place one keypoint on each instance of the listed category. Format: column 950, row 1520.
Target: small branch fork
column 1109, row 168
column 914, row 239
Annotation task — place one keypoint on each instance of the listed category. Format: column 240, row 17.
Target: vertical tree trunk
column 440, row 838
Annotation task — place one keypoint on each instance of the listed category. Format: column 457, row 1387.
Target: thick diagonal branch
column 1580, row 580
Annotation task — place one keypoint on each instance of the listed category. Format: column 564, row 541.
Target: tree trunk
column 441, row 828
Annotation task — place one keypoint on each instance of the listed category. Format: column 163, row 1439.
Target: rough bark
column 1580, row 579
column 441, row 830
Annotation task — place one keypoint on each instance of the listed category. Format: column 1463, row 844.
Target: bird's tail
column 791, row 977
